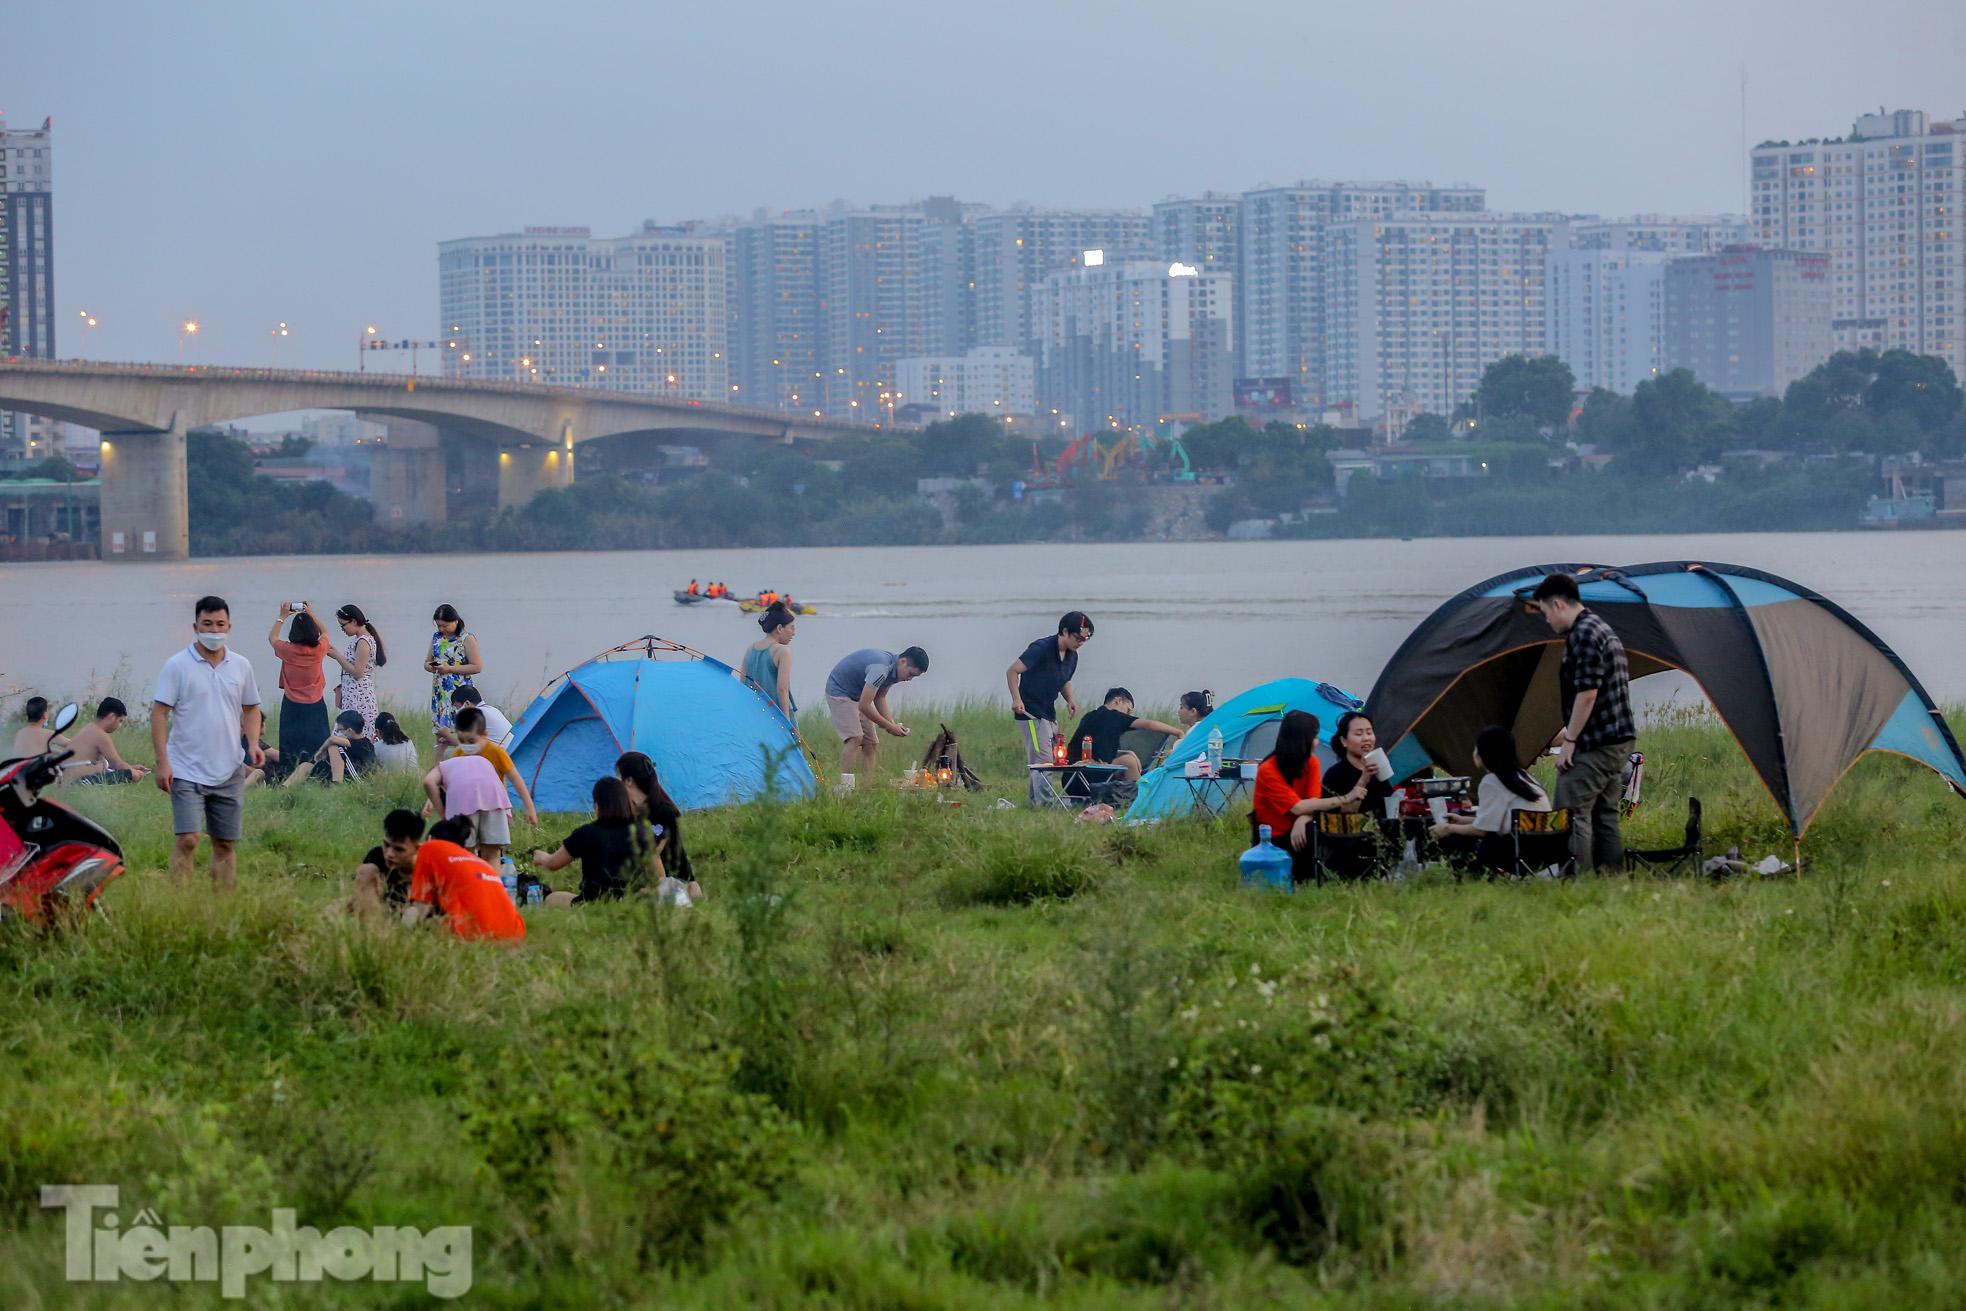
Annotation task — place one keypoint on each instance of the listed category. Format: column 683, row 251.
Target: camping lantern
column 944, row 775
column 1057, row 749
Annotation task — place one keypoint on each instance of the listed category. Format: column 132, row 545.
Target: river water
column 1170, row 616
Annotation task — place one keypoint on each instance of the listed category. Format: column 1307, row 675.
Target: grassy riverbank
column 921, row 1056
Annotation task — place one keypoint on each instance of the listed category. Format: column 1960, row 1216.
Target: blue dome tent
column 707, row 730
column 1249, row 723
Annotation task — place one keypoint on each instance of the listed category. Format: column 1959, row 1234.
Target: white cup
column 1376, row 761
column 1438, row 805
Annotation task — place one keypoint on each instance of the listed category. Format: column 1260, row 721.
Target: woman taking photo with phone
column 303, row 684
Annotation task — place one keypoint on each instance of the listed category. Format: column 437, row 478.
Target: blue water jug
column 1266, row 865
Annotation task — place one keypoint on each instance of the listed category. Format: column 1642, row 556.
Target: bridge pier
column 145, row 495
column 526, row 471
column 407, row 478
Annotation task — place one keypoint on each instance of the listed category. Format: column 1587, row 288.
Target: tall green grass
column 911, row 1054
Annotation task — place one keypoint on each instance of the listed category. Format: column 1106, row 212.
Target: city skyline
column 307, row 178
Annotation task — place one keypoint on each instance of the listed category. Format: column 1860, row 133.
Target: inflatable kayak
column 750, row 605
column 697, row 598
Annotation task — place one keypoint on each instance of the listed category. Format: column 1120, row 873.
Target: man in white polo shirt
column 206, row 700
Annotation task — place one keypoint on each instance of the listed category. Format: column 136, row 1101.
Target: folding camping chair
column 1538, row 840
column 1671, row 860
column 1346, row 846
column 1151, row 746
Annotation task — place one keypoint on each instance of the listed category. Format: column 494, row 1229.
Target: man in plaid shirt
column 1598, row 730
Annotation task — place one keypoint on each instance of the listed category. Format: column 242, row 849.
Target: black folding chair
column 1346, row 846
column 1539, row 840
column 1667, row 861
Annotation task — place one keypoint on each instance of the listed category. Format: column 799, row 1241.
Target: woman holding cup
column 1359, row 759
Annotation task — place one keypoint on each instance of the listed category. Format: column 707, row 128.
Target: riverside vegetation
column 911, row 1055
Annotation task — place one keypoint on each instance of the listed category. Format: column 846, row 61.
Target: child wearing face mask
column 472, row 741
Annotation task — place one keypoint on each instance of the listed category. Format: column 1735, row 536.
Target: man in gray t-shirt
column 856, row 696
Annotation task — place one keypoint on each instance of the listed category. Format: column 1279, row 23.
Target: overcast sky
column 245, row 163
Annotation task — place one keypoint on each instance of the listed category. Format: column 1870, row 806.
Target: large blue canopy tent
column 1249, row 723
column 1804, row 688
column 709, row 732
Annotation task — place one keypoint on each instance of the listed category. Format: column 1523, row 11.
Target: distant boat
column 697, row 598
column 750, row 605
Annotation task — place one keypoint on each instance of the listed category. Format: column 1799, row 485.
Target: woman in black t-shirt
column 1355, row 739
column 617, row 852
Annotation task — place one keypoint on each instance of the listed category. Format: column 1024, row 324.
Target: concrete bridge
column 143, row 412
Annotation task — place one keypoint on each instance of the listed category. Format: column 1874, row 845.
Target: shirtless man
column 36, row 737
column 96, row 760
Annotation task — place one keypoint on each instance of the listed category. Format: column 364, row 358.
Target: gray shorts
column 851, row 722
column 216, row 810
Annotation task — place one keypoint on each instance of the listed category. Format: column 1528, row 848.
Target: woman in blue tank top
column 768, row 661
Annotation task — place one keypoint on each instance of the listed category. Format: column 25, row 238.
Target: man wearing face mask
column 206, row 700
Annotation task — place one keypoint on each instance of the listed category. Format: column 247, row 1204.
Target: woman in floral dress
column 358, row 661
column 452, row 663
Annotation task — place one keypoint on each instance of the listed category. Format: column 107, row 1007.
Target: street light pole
column 362, row 349
column 276, row 332
column 186, row 331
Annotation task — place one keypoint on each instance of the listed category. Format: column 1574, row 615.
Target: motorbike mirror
column 66, row 716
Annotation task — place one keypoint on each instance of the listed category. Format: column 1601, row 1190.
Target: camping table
column 1058, row 778
column 1212, row 793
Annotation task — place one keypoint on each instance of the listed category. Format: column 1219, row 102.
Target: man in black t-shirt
column 382, row 881
column 1107, row 725
column 1037, row 679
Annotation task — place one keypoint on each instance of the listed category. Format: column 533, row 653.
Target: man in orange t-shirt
column 450, row 881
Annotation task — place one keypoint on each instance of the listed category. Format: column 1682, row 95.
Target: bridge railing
column 441, row 382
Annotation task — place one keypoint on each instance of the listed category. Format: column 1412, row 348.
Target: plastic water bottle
column 1266, row 865
column 1215, row 752
column 509, row 875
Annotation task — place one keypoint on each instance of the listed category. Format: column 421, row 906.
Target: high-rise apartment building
column 873, row 295
column 992, row 380
column 773, row 269
column 1283, row 316
column 27, row 274
column 1884, row 204
column 1129, row 342
column 1748, row 321
column 1418, row 305
column 642, row 313
column 1606, row 292
column 1606, row 314
column 1200, row 230
column 949, row 255
column 1016, row 250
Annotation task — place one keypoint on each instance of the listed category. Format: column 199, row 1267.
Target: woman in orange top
column 1289, row 786
column 303, row 685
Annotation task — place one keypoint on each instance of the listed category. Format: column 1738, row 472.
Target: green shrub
column 1020, row 869
column 602, row 1113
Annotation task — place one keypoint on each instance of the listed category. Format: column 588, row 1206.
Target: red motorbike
column 52, row 860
